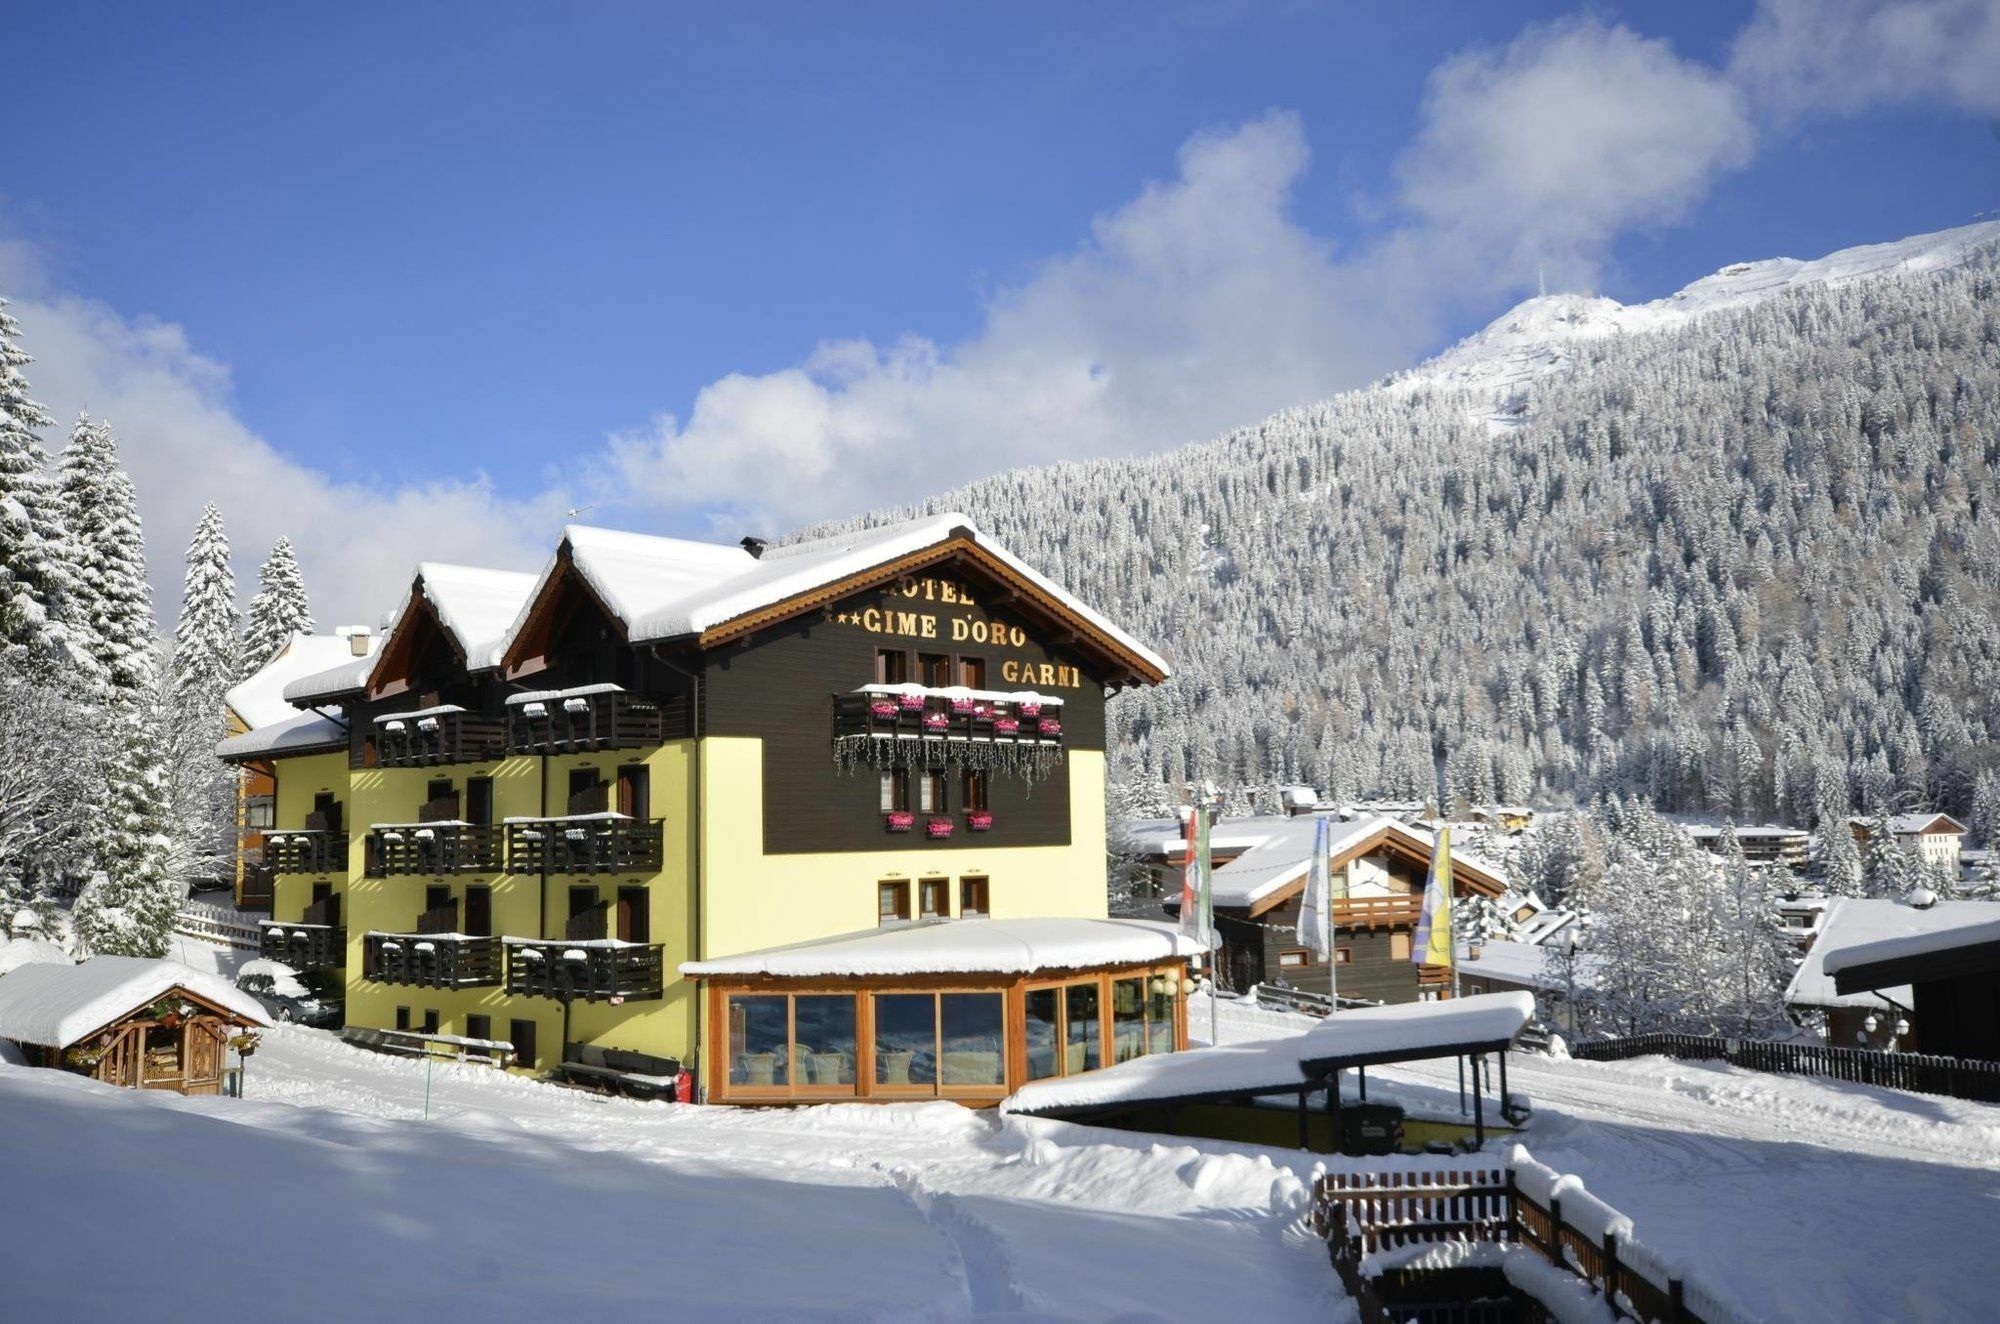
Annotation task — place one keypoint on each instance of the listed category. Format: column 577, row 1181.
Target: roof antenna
column 754, row 545
column 1542, row 278
column 576, row 510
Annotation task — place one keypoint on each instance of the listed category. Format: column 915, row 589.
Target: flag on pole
column 1193, row 861
column 1315, row 911
column 1433, row 945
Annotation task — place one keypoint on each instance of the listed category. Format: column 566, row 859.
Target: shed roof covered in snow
column 1969, row 945
column 1412, row 1031
column 56, row 1005
column 259, row 699
column 1855, row 922
column 966, row 946
column 662, row 589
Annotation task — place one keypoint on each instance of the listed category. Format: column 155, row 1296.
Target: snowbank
column 966, row 946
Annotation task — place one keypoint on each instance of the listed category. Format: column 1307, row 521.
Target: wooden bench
column 619, row 1070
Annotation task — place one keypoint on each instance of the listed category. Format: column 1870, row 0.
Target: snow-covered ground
column 1793, row 1198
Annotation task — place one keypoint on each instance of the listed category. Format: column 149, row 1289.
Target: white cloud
column 1844, row 56
column 1198, row 305
column 169, row 406
column 1545, row 150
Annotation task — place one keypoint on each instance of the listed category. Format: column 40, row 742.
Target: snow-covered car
column 302, row 999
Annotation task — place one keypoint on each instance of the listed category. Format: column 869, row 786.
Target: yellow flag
column 1433, row 945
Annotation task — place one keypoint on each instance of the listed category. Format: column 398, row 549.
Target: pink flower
column 900, row 821
column 1005, row 726
column 911, row 703
column 936, row 721
column 938, row 827
column 961, row 705
column 979, row 820
column 882, row 708
column 1031, row 710
column 1049, row 726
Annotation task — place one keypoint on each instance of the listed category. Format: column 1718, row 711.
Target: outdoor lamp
column 1871, row 1022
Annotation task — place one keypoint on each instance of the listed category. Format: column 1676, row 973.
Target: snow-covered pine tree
column 279, row 610
column 1754, row 948
column 1837, row 863
column 39, row 623
column 207, row 641
column 128, row 909
column 1889, row 869
column 201, row 791
column 103, row 515
column 49, row 789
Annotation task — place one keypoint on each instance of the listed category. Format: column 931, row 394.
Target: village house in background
column 649, row 809
column 1935, row 838
column 1763, row 843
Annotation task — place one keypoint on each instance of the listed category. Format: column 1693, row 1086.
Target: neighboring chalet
column 1949, row 976
column 1852, row 923
column 1767, row 844
column 257, row 703
column 1934, row 838
column 598, row 809
column 1379, row 865
column 125, row 1020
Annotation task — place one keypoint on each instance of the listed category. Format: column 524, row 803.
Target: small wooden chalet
column 127, row 1021
column 1379, row 868
column 968, row 1010
column 1952, row 973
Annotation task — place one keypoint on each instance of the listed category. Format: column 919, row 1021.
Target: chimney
column 357, row 638
column 755, row 545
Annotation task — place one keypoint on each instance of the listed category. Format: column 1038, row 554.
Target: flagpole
column 1207, row 811
column 1326, row 922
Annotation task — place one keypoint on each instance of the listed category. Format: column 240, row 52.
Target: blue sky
column 480, row 263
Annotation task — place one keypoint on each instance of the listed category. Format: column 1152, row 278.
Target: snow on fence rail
column 1919, row 1073
column 1435, row 1243
column 217, row 925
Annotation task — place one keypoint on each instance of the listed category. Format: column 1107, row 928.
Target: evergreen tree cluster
column 1747, row 567
column 111, row 797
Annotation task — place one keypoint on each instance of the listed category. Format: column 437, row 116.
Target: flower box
column 961, row 706
column 1005, row 726
column 882, row 708
column 1048, row 726
column 910, row 703
column 900, row 821
column 1030, row 709
column 936, row 721
column 979, row 821
column 983, row 711
column 937, row 829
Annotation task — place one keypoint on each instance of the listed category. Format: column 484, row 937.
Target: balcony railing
column 306, row 851
column 432, row 736
column 600, row 970
column 431, row 960
column 305, row 946
column 431, row 849
column 256, row 889
column 890, row 712
column 1377, row 912
column 590, row 843
column 589, row 717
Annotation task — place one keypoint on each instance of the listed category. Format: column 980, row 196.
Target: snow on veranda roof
column 1971, row 929
column 56, row 1005
column 670, row 588
column 966, row 946
column 1406, row 1032
column 296, row 735
column 259, row 699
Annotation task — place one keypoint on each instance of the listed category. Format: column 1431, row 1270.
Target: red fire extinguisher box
column 684, row 1087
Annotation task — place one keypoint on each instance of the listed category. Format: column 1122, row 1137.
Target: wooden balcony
column 305, row 946
column 1377, row 912
column 596, row 970
column 586, row 844
column 940, row 718
column 591, row 717
column 431, row 960
column 306, row 851
column 431, row 850
column 430, row 737
column 256, row 886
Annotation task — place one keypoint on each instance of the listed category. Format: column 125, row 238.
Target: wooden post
column 1611, row 1270
column 1478, row 1108
column 1361, row 1074
column 1333, row 1109
column 1513, row 1210
column 1305, row 1136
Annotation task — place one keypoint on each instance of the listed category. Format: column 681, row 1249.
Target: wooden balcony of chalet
column 430, row 737
column 1377, row 912
column 584, row 970
column 435, row 956
column 893, row 712
column 316, row 942
column 306, row 850
column 438, row 843
column 590, row 841
column 589, row 717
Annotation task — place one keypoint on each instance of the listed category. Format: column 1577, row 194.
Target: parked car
column 313, row 999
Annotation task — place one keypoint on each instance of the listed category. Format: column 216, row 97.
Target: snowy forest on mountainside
column 1747, row 566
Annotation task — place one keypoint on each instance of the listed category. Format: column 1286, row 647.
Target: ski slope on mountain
column 1540, row 335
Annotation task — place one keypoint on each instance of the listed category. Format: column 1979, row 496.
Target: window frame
column 967, row 884
column 975, row 790
column 934, row 887
column 901, row 890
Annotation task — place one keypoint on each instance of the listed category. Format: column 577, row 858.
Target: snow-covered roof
column 966, row 946
column 476, row 605
column 300, row 732
column 56, row 1005
column 1165, row 837
column 1284, row 856
column 17, row 952
column 1405, row 1032
column 1753, row 832
column 668, row 588
column 331, row 683
column 259, row 699
column 1968, row 931
column 1526, row 964
column 1866, row 922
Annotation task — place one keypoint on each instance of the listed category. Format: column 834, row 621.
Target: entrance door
column 205, row 1040
column 479, row 911
column 635, row 793
column 634, row 915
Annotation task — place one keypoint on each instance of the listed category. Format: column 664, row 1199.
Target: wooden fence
column 1919, row 1073
column 1372, row 1212
column 216, row 925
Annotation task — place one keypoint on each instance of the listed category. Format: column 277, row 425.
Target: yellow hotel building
column 758, row 824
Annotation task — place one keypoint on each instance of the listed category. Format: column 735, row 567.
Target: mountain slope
column 1745, row 562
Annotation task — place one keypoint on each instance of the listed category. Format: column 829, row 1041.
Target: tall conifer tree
column 279, row 610
column 116, row 602
column 38, row 582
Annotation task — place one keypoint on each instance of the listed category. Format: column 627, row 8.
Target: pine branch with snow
column 279, row 611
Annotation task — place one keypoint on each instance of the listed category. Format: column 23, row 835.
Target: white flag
column 1316, row 910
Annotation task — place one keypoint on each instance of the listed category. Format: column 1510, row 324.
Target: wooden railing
column 1919, row 1073
column 856, row 715
column 217, row 925
column 584, row 845
column 1281, row 997
column 305, row 946
column 433, row 849
column 257, row 888
column 431, row 960
column 306, row 851
column 608, row 719
column 1367, row 1213
column 588, row 971
column 437, row 738
column 1376, row 912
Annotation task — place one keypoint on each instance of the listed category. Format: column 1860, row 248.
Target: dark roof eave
column 1978, row 958
column 289, row 751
